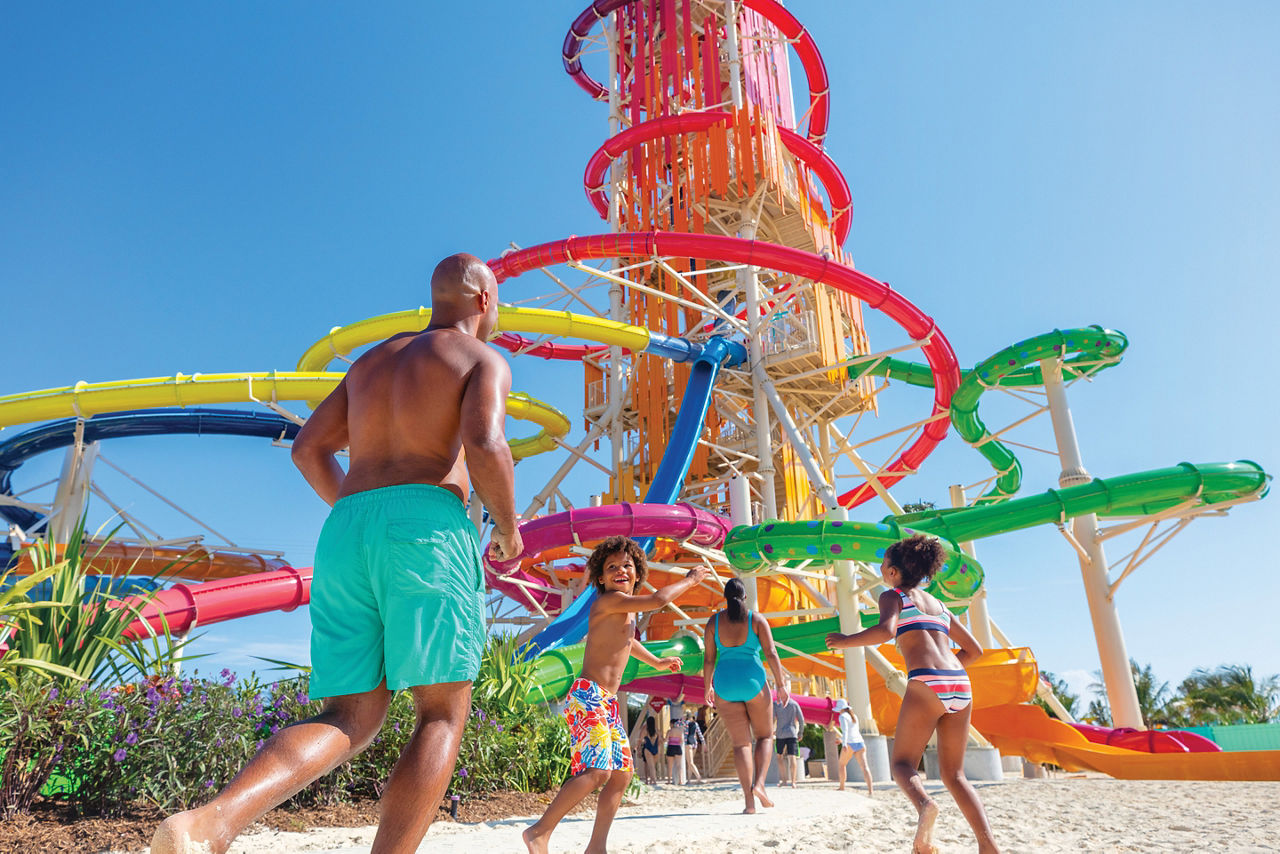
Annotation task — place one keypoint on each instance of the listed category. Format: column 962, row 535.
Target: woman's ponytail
column 735, row 597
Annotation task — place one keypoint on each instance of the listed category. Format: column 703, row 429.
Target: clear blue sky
column 212, row 188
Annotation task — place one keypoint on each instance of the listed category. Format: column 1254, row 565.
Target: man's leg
column 606, row 808
column 422, row 774
column 289, row 760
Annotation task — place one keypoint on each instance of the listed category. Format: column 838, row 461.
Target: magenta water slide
column 817, row 710
column 184, row 606
column 797, row 262
column 668, row 521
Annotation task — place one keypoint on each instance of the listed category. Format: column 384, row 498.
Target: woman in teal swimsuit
column 736, row 688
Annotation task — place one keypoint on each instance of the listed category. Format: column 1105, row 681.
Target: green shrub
column 171, row 743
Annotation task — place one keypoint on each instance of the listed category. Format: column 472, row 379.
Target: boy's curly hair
column 611, row 546
column 918, row 558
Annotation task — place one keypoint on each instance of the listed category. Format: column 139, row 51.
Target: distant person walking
column 790, row 723
column 675, row 751
column 397, row 599
column 851, row 744
column 649, row 751
column 938, row 695
column 737, row 688
column 693, row 742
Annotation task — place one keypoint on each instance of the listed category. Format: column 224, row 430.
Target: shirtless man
column 397, row 595
column 601, row 755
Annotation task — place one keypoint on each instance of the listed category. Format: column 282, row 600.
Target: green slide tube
column 1139, row 494
column 1095, row 349
column 789, row 544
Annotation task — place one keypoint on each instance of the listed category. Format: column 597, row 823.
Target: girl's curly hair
column 612, row 546
column 918, row 558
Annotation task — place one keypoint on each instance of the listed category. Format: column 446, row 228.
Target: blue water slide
column 115, row 425
column 571, row 625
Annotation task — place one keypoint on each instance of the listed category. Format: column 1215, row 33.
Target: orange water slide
column 188, row 563
column 1025, row 730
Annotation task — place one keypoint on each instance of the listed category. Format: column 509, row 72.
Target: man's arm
column 484, row 440
column 324, row 434
column 619, row 602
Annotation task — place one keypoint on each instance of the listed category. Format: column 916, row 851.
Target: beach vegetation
column 169, row 743
column 1062, row 691
column 78, row 631
column 1227, row 694
column 1224, row 695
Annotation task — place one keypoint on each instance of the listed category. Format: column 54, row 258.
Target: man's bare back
column 404, row 409
column 409, row 410
column 423, row 406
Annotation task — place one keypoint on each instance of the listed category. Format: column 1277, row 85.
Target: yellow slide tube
column 341, row 340
column 85, row 399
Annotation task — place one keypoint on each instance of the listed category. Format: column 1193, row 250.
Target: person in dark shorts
column 397, row 593
column 788, row 724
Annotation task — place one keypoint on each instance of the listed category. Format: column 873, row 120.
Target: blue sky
column 212, row 188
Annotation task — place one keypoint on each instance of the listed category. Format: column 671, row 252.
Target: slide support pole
column 979, row 618
column 1116, row 674
column 749, row 283
column 740, row 514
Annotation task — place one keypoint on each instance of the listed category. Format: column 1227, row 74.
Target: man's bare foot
column 535, row 842
column 181, row 834
column 749, row 811
column 762, row 797
column 839, row 788
column 924, row 829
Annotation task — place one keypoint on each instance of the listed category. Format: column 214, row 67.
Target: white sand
column 1065, row 813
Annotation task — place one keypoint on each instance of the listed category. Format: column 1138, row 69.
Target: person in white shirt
column 851, row 743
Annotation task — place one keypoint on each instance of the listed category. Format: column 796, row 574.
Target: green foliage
column 918, row 506
column 1153, row 697
column 17, row 610
column 76, row 634
column 1228, row 694
column 812, row 738
column 1061, row 691
column 171, row 743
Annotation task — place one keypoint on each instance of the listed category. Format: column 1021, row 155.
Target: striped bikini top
column 912, row 618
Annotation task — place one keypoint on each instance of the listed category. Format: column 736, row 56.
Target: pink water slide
column 185, row 606
column 682, row 522
column 817, row 710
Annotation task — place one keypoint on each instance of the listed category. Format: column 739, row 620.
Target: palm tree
column 1061, row 689
column 1154, row 699
column 1228, row 694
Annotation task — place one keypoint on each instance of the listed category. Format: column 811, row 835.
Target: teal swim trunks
column 397, row 592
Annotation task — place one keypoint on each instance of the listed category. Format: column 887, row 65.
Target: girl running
column 938, row 696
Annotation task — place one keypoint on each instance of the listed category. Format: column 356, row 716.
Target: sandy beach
column 1057, row 814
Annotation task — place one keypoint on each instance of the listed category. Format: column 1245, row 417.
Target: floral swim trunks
column 595, row 729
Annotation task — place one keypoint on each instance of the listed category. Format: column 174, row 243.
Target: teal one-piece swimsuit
column 739, row 674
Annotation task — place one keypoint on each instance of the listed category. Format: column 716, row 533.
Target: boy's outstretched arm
column 619, row 602
column 642, row 654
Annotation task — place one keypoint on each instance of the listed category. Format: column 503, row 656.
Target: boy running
column 601, row 755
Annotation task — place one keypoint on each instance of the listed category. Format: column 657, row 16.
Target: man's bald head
column 461, row 275
column 463, row 287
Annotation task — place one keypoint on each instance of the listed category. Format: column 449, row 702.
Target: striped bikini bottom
column 951, row 686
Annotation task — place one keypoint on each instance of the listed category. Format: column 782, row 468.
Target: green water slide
column 1140, row 494
column 554, row 671
column 820, row 543
column 1093, row 349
